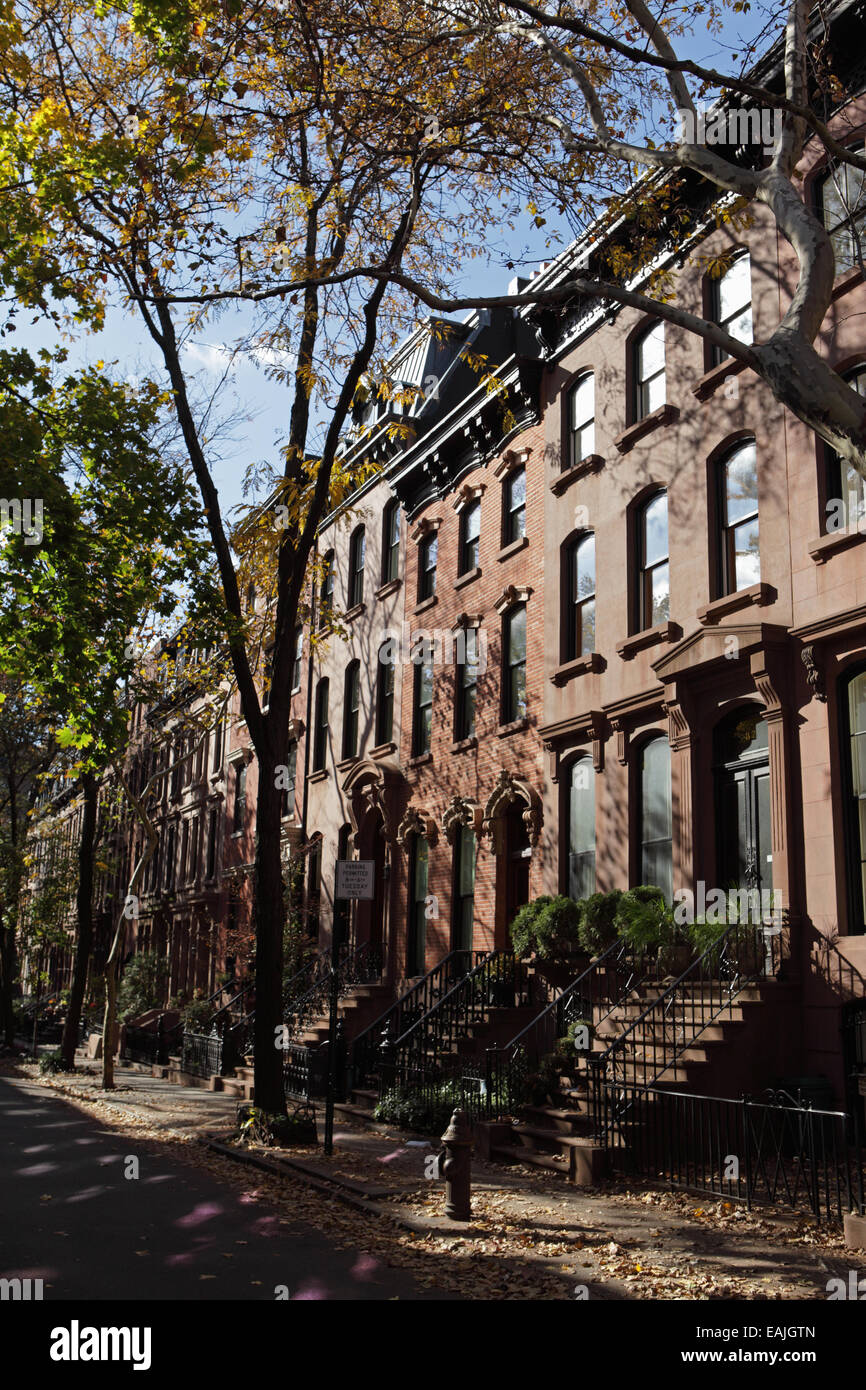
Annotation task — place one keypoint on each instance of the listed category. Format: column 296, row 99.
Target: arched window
column 581, row 421
column 390, row 542
column 357, row 553
column 580, row 598
column 326, row 595
column 653, row 597
column 842, row 206
column 514, row 664
column 320, row 731
column 649, row 371
column 732, row 303
column 428, row 555
column 417, row 925
column 514, row 506
column 740, row 550
column 846, row 488
column 351, row 708
column 385, row 695
column 854, row 711
column 656, row 843
column 581, row 829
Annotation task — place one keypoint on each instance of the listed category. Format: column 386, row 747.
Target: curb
column 287, row 1167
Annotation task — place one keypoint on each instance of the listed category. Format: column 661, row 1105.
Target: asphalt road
column 70, row 1216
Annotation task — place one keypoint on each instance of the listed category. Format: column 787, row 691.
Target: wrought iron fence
column 773, row 1152
column 202, row 1054
column 305, row 1071
column 151, row 1045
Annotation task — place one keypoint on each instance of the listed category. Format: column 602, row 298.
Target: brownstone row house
column 605, row 626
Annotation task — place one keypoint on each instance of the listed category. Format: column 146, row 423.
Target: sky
column 258, row 407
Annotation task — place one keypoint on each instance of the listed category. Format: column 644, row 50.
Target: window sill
column 824, row 546
column 513, row 548
column 846, row 281
column 591, row 464
column 427, row 603
column 463, row 745
column 236, row 835
column 713, row 379
column 468, row 577
column 650, row 637
column 665, row 415
column 421, row 759
column 592, row 663
column 320, row 776
column 352, row 613
column 389, row 587
column 382, row 750
column 757, row 596
column 345, row 763
column 506, row 730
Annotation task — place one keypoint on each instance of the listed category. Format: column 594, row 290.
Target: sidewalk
column 531, row 1235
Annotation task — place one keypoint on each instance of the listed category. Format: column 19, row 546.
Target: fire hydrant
column 455, row 1167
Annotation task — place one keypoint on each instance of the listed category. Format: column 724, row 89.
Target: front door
column 745, row 847
column 518, row 855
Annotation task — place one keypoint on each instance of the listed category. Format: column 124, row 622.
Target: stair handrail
column 423, row 1044
column 313, row 1000
column 497, row 1058
column 370, row 1038
column 713, row 966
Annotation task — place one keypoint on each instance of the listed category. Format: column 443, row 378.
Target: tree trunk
column 84, row 915
column 109, row 1030
column 7, row 980
column 270, row 921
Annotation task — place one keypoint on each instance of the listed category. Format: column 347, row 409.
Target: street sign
column 356, row 878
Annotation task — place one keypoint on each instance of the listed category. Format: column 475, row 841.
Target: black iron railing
column 202, row 1054
column 651, row 1045
column 305, row 1071
column 406, row 1011
column 605, row 984
column 363, row 965
column 151, row 1044
column 500, row 980
column 772, row 1152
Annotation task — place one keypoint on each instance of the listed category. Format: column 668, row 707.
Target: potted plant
column 598, row 922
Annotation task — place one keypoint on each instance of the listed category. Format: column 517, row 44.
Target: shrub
column 421, row 1112
column 523, row 928
column 704, row 934
column 644, row 920
column 197, row 1016
column 142, row 986
column 597, row 923
column 51, row 1062
column 549, row 926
